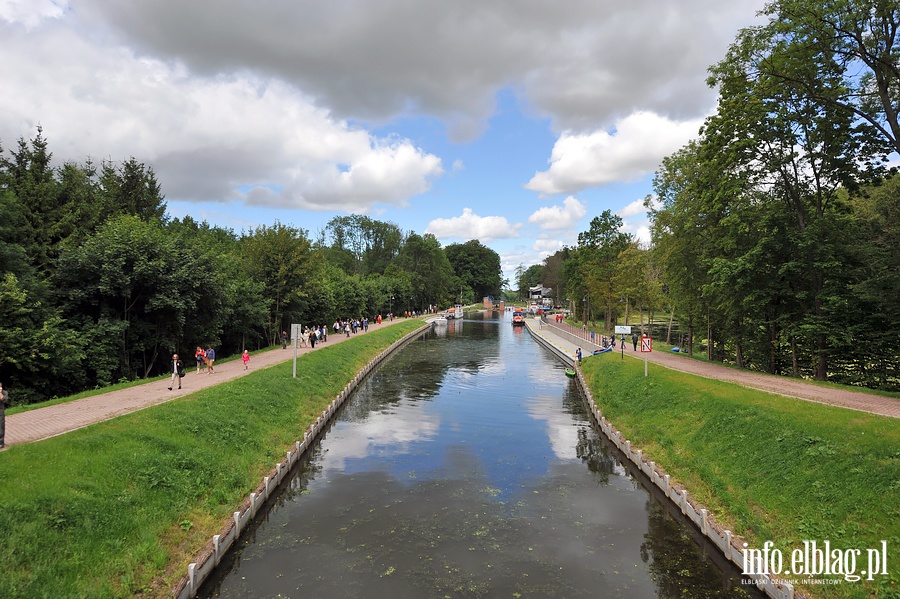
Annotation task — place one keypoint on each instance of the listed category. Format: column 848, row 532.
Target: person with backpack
column 200, row 356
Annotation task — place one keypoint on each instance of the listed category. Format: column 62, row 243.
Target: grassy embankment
column 768, row 467
column 120, row 507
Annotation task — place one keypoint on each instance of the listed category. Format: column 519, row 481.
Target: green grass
column 768, row 467
column 120, row 507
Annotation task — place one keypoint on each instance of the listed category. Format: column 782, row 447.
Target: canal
column 467, row 466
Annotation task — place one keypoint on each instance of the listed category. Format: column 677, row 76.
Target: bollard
column 192, row 578
column 217, row 548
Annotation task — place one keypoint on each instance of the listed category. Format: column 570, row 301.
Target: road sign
column 646, row 344
column 623, row 330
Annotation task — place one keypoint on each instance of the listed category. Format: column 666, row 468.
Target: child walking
column 246, row 358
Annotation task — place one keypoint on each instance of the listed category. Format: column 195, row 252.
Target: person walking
column 200, row 356
column 634, row 340
column 284, row 339
column 578, row 355
column 4, row 403
column 246, row 358
column 312, row 339
column 210, row 358
column 177, row 371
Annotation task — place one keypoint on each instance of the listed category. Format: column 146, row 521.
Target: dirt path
column 43, row 423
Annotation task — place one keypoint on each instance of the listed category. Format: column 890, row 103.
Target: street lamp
column 392, row 304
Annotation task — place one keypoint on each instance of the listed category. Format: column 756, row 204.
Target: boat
column 440, row 321
column 602, row 351
column 518, row 318
column 570, row 373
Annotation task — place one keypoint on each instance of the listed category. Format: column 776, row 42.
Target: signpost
column 622, row 330
column 296, row 331
column 646, row 348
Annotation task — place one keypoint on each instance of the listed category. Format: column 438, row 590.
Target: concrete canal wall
column 206, row 561
column 730, row 545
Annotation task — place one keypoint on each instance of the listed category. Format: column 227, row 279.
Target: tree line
column 98, row 284
column 776, row 233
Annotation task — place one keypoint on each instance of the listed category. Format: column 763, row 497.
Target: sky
column 514, row 123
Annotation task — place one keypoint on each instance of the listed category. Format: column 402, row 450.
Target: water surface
column 467, row 466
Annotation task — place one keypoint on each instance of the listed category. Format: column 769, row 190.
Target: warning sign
column 646, row 344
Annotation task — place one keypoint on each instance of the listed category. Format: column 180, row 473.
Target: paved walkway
column 43, row 423
column 55, row 420
column 563, row 337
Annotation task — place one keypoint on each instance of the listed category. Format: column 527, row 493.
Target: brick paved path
column 55, row 420
column 43, row 423
column 782, row 385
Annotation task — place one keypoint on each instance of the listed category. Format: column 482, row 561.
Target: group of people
column 319, row 333
column 351, row 325
column 205, row 359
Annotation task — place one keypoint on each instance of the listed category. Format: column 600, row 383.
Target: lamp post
column 392, row 304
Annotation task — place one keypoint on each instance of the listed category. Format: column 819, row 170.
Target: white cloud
column 559, row 217
column 471, row 226
column 546, row 247
column 580, row 63
column 635, row 220
column 636, row 148
column 635, row 207
column 206, row 137
column 275, row 103
column 31, row 12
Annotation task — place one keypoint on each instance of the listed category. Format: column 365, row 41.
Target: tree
column 132, row 188
column 40, row 356
column 429, row 271
column 279, row 257
column 528, row 278
column 30, row 178
column 361, row 245
column 857, row 43
column 131, row 288
column 477, row 266
column 679, row 230
column 597, row 251
column 791, row 152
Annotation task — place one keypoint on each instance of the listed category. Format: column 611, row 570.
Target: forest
column 776, row 232
column 98, row 284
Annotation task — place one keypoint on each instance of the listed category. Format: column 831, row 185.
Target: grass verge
column 119, row 508
column 768, row 467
